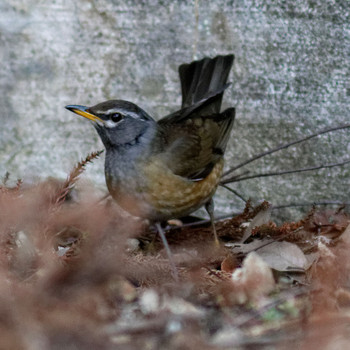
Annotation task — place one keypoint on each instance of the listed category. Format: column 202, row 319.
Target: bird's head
column 117, row 122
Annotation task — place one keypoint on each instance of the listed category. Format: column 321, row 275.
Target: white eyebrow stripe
column 109, row 111
column 122, row 111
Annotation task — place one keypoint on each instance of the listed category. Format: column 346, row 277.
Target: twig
column 239, row 175
column 276, row 173
column 275, row 207
column 234, row 192
column 308, row 204
column 73, row 177
column 278, row 148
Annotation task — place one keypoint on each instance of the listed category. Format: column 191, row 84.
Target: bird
column 165, row 169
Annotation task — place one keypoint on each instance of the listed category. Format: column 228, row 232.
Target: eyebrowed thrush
column 167, row 169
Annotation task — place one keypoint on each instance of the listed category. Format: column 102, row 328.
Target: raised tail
column 204, row 79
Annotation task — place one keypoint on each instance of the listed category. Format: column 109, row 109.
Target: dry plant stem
column 234, row 192
column 73, row 177
column 240, row 175
column 275, row 207
column 309, row 204
column 283, row 172
column 60, row 197
column 278, row 148
column 168, row 251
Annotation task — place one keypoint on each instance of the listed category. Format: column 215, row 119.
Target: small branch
column 234, row 177
column 234, row 192
column 309, row 204
column 275, row 207
column 276, row 173
column 278, row 148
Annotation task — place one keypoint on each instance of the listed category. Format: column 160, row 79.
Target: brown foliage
column 71, row 277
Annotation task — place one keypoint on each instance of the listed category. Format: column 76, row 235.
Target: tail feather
column 203, row 79
column 202, row 84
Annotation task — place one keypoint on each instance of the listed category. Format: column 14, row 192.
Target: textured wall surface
column 290, row 78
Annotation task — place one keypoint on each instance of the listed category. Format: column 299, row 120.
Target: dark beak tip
column 72, row 108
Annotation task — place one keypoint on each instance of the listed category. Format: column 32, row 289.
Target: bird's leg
column 168, row 251
column 209, row 207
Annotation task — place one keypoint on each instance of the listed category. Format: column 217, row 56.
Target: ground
column 77, row 273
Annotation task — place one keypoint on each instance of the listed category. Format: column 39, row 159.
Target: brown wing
column 193, row 139
column 191, row 149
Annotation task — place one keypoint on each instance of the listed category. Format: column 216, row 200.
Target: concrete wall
column 290, row 78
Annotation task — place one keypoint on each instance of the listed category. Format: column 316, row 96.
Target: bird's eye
column 116, row 117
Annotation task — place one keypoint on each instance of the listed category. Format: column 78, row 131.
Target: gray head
column 117, row 122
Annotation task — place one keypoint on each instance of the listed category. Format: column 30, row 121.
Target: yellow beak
column 82, row 110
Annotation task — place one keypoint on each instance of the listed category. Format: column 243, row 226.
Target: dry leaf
column 284, row 256
column 263, row 217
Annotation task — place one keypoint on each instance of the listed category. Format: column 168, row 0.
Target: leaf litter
column 77, row 272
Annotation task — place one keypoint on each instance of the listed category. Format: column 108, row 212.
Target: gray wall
column 290, row 78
